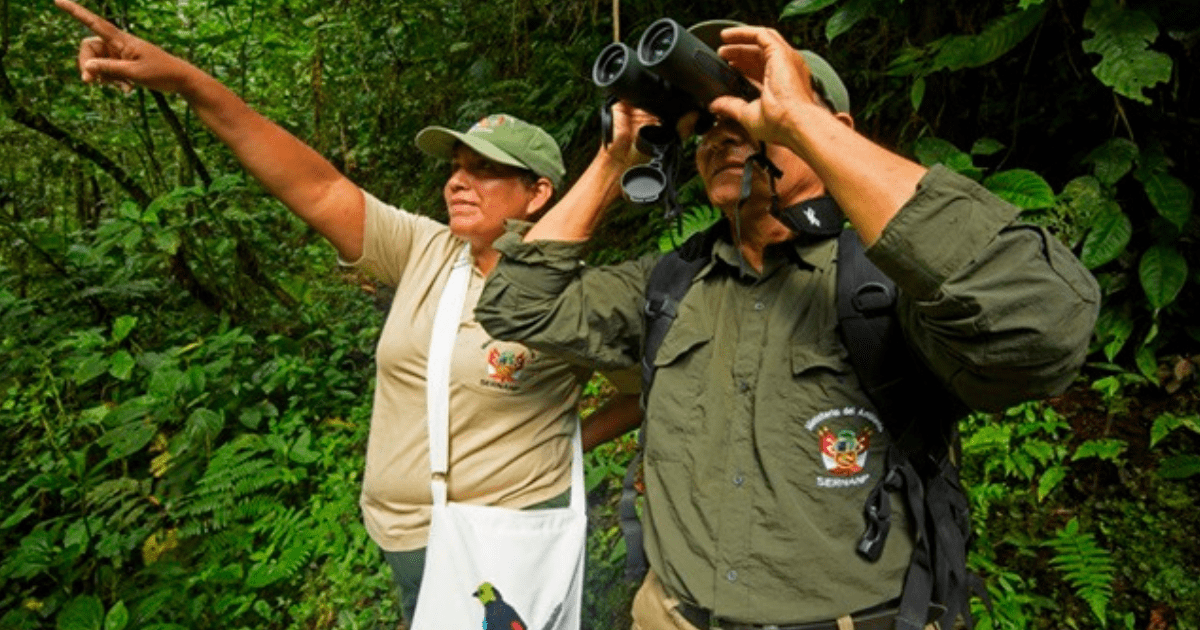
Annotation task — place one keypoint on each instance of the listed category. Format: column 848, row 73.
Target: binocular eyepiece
column 670, row 74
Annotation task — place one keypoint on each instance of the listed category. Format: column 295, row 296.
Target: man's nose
column 720, row 136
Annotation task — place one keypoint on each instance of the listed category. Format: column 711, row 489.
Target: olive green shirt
column 760, row 446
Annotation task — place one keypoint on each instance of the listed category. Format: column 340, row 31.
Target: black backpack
column 920, row 464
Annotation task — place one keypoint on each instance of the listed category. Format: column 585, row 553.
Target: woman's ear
column 540, row 194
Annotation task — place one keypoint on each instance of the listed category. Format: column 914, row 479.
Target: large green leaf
column 122, row 326
column 165, row 382
column 1163, row 272
column 1167, row 422
column 1171, row 197
column 82, row 613
column 1110, row 233
column 1123, row 37
column 302, row 452
column 916, row 95
column 204, row 424
column 1051, row 479
column 847, row 16
column 90, row 367
column 1113, row 329
column 1112, row 160
column 127, row 439
column 1179, row 467
column 1107, row 449
column 986, row 146
column 117, row 617
column 930, row 151
column 804, row 7
column 998, row 37
column 1022, row 188
column 121, row 365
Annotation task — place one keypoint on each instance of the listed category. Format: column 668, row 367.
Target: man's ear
column 541, row 192
column 846, row 119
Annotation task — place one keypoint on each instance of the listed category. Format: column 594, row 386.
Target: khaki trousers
column 653, row 609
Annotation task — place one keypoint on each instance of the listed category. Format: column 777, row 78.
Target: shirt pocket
column 821, row 372
column 681, row 367
column 822, row 386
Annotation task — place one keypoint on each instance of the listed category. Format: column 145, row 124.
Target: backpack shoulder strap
column 921, row 414
column 669, row 282
column 894, row 378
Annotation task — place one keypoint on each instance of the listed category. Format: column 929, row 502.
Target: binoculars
column 671, row 74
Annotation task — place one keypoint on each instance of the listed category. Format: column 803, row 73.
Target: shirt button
column 731, row 576
column 743, row 386
column 738, row 480
column 758, row 306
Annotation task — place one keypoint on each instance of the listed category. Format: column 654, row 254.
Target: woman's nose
column 457, row 180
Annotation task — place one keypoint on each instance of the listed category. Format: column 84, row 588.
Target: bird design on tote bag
column 497, row 614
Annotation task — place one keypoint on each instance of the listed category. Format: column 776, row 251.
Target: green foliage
column 1163, row 271
column 850, row 13
column 163, row 461
column 1086, row 566
column 185, row 380
column 998, row 38
column 696, row 219
column 1030, row 492
column 1122, row 38
column 1022, row 188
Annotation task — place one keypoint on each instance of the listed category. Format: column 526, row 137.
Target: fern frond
column 289, row 562
column 236, row 470
column 1085, row 565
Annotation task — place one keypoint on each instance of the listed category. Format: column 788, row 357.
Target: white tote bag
column 486, row 566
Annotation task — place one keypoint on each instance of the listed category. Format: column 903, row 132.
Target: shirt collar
column 804, row 253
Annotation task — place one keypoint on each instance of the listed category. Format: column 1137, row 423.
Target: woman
column 511, row 410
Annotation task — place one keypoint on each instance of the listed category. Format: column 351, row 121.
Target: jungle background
column 186, row 373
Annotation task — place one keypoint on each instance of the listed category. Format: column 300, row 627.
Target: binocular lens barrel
column 618, row 71
column 673, row 53
column 611, row 63
column 657, row 41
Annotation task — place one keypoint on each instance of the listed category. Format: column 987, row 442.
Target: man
column 747, row 524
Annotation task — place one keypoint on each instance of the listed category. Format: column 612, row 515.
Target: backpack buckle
column 878, row 516
column 873, row 296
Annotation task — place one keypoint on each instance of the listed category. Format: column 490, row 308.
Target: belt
column 867, row 620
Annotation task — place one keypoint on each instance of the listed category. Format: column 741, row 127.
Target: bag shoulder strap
column 437, row 371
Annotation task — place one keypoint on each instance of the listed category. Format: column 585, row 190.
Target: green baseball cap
column 825, row 79
column 501, row 138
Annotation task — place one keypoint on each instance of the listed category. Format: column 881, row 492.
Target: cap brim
column 439, row 142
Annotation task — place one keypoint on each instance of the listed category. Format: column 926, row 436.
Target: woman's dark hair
column 530, row 179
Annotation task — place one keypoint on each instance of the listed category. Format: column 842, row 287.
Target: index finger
column 95, row 23
column 761, row 36
column 747, row 58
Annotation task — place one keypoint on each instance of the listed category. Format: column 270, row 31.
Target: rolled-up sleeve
column 543, row 295
column 1000, row 310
